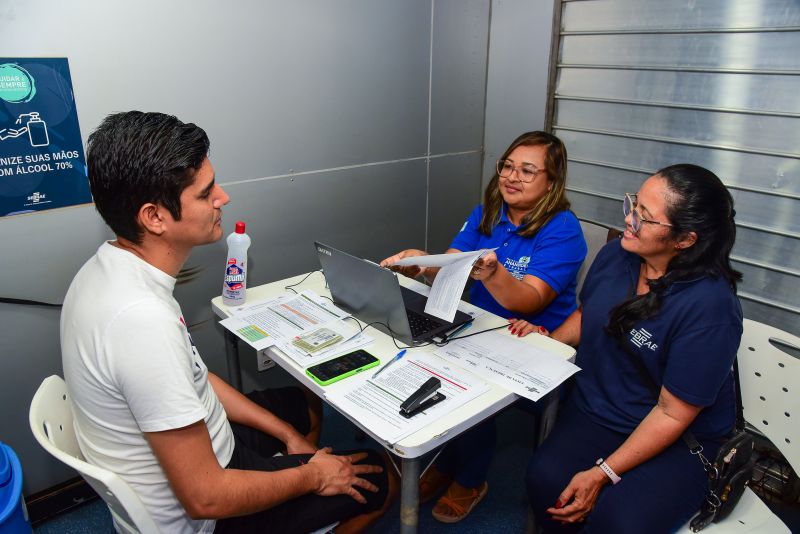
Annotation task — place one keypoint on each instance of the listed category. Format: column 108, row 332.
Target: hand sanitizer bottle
column 235, row 284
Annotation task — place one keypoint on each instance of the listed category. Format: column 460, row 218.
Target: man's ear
column 151, row 218
column 687, row 240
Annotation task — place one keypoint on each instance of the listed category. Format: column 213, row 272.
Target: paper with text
column 290, row 315
column 375, row 402
column 510, row 363
column 450, row 281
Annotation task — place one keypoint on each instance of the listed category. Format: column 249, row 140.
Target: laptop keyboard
column 420, row 324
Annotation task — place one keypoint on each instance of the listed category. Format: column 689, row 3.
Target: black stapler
column 426, row 396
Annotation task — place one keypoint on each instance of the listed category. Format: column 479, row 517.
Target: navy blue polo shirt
column 554, row 255
column 689, row 347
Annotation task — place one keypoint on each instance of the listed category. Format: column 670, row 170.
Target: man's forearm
column 245, row 492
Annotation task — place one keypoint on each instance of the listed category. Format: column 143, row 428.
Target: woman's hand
column 485, row 267
column 577, row 500
column 521, row 328
column 298, row 444
column 411, row 271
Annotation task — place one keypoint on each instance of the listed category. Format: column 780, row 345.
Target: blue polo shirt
column 689, row 347
column 554, row 255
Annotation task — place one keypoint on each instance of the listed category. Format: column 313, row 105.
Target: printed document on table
column 375, row 402
column 510, row 363
column 450, row 281
column 278, row 321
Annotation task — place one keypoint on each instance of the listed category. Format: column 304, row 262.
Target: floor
column 503, row 510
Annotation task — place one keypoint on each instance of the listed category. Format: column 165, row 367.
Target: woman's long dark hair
column 697, row 201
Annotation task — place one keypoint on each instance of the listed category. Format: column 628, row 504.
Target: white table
column 410, row 448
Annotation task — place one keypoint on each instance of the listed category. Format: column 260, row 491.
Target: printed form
column 450, row 281
column 510, row 363
column 375, row 402
column 279, row 321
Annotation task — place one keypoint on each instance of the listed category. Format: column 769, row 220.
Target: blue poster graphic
column 42, row 165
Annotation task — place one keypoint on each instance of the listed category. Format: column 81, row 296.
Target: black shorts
column 254, row 451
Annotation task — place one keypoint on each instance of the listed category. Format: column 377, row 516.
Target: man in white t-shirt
column 199, row 454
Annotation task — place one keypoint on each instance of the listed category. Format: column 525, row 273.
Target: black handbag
column 733, row 466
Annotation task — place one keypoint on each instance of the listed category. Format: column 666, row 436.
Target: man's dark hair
column 134, row 158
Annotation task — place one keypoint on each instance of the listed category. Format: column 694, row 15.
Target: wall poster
column 42, row 165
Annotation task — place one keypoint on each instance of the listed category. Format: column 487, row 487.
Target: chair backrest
column 596, row 236
column 770, row 383
column 51, row 422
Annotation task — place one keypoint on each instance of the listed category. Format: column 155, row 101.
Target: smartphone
column 341, row 367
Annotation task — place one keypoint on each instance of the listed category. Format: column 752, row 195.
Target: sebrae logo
column 642, row 338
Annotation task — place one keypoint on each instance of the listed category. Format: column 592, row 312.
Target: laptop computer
column 374, row 296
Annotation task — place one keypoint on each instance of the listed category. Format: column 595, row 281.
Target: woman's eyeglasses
column 629, row 208
column 526, row 173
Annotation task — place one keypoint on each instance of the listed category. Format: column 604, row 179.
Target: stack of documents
column 510, row 363
column 375, row 402
column 305, row 327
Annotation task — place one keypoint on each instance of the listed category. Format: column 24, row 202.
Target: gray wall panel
column 30, row 351
column 455, row 189
column 277, row 85
column 516, row 87
column 460, row 42
column 50, row 263
column 338, row 92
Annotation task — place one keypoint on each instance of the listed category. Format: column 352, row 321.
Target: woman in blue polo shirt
column 666, row 295
column 540, row 247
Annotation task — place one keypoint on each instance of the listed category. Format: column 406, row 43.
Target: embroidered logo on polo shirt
column 641, row 338
column 518, row 267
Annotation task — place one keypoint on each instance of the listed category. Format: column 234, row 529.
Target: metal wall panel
column 453, row 194
column 643, row 84
column 719, row 90
column 746, row 51
column 631, row 15
column 458, row 87
column 320, row 116
column 516, row 85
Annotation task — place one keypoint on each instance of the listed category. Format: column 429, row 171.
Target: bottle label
column 234, row 276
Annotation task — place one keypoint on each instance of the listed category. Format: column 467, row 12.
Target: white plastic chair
column 596, row 236
column 50, row 418
column 770, row 383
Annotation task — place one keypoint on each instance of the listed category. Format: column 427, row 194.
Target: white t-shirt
column 131, row 367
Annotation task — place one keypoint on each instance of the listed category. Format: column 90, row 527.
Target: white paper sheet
column 450, row 281
column 376, row 402
column 510, row 363
column 282, row 318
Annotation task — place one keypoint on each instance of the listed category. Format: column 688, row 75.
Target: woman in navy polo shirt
column 666, row 295
column 540, row 247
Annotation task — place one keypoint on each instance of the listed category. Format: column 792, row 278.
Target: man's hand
column 338, row 475
column 298, row 444
column 411, row 271
column 577, row 500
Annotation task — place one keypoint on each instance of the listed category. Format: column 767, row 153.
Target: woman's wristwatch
column 601, row 463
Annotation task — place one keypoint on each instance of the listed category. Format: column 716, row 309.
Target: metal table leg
column 409, row 496
column 232, row 353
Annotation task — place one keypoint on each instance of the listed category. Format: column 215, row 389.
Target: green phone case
column 342, row 376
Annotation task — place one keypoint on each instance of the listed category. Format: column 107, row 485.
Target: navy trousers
column 659, row 495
